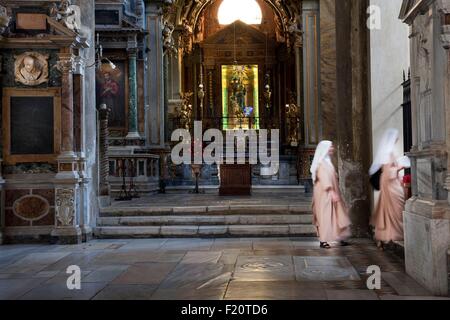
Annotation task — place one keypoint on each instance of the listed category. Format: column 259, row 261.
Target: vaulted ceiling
column 190, row 10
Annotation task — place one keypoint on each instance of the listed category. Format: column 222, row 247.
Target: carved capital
column 132, row 52
column 65, row 64
column 4, row 19
column 79, row 63
column 65, row 207
column 443, row 8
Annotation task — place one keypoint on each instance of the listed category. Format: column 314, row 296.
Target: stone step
column 285, row 230
column 256, row 189
column 143, row 188
column 202, row 220
column 206, row 210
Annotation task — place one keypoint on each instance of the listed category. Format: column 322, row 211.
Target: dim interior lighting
column 248, row 11
column 111, row 64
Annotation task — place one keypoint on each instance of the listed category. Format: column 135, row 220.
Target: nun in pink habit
column 330, row 214
column 388, row 216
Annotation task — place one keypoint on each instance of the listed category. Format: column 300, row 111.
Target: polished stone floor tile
column 351, row 295
column 238, row 244
column 81, row 259
column 229, row 256
column 12, row 289
column 106, row 273
column 144, row 244
column 59, row 291
column 126, row 292
column 45, row 274
column 124, row 257
column 62, row 277
column 396, row 297
column 189, row 294
column 274, row 290
column 204, row 269
column 34, row 262
column 324, row 269
column 202, row 257
column 264, row 268
column 305, row 244
column 187, row 244
column 147, row 273
column 404, row 285
column 196, row 275
column 273, row 245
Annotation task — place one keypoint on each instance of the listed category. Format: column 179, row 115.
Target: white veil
column 320, row 155
column 385, row 149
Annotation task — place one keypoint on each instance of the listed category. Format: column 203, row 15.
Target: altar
column 235, row 179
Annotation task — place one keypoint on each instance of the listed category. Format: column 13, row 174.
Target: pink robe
column 331, row 219
column 388, row 216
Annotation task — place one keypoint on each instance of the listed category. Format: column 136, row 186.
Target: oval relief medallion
column 31, row 207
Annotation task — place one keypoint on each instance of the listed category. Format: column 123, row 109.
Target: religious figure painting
column 31, row 68
column 111, row 91
column 240, row 97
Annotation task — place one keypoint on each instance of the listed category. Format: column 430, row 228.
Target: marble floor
column 173, row 269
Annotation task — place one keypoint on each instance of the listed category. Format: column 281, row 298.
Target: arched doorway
column 231, row 74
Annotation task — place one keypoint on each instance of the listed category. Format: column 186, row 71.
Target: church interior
column 89, row 178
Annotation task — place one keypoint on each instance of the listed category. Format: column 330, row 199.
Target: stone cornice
column 64, row 38
column 411, row 8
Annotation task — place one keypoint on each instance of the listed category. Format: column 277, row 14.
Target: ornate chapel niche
column 263, row 50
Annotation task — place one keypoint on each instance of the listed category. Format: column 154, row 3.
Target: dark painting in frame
column 26, row 143
column 112, row 91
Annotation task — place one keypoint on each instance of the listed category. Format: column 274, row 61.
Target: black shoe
column 344, row 244
column 325, row 245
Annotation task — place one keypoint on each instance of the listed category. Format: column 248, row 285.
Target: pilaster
column 353, row 112
column 311, row 74
column 67, row 179
column 155, row 81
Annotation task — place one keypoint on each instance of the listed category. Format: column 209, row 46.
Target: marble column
column 67, row 218
column 80, row 147
column 65, row 65
column 132, row 92
column 311, row 74
column 166, row 94
column 298, row 80
column 328, row 67
column 155, row 81
column 353, row 111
